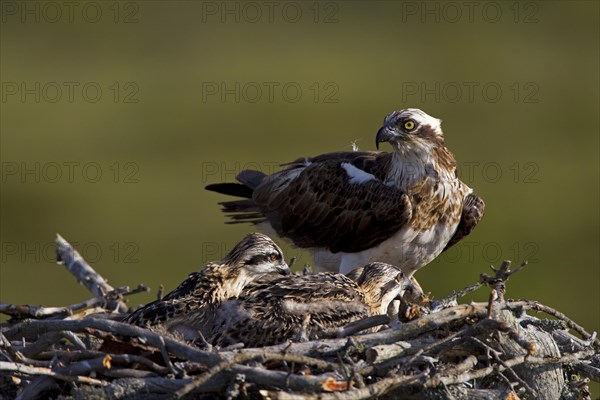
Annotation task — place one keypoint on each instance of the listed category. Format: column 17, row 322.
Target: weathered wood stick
column 377, row 354
column 27, row 370
column 85, row 274
column 329, row 347
column 29, row 329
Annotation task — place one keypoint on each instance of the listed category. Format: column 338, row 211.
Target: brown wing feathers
column 313, row 204
column 323, row 210
column 472, row 213
column 183, row 297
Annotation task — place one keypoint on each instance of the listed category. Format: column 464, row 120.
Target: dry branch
column 85, row 274
column 97, row 304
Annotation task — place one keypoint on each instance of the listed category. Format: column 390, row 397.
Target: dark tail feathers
column 231, row 189
column 241, row 210
column 249, row 179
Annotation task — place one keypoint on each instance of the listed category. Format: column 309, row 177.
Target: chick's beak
column 385, row 134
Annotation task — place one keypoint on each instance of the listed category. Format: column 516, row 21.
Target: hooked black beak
column 283, row 269
column 385, row 134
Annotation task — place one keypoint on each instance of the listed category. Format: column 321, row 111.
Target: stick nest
column 440, row 350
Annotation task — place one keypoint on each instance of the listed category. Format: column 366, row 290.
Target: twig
column 492, row 325
column 165, row 355
column 244, row 357
column 412, row 329
column 534, row 305
column 48, row 339
column 27, row 370
column 180, row 350
column 125, row 359
column 377, row 354
column 498, row 282
column 357, row 326
column 299, row 359
column 128, row 373
column 452, row 378
column 200, row 380
column 496, row 355
column 73, row 372
column 85, row 274
column 465, row 365
column 309, row 383
column 29, row 311
column 379, row 388
column 450, row 300
column 34, row 389
column 502, row 273
column 122, row 291
column 587, row 371
column 385, row 358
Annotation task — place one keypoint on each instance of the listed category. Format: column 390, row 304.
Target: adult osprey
column 190, row 308
column 403, row 208
column 273, row 310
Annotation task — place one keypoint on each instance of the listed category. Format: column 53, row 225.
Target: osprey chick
column 273, row 310
column 351, row 208
column 189, row 308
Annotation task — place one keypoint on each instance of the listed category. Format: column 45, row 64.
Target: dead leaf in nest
column 113, row 345
column 333, row 385
column 106, row 361
column 512, row 396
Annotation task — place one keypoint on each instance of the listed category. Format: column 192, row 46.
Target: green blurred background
column 116, row 115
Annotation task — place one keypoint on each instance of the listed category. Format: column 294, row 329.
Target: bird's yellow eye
column 273, row 257
column 409, row 125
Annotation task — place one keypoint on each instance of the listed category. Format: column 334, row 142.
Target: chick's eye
column 409, row 125
column 273, row 257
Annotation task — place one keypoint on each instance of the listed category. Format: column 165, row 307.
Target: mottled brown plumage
column 189, row 308
column 351, row 208
column 274, row 310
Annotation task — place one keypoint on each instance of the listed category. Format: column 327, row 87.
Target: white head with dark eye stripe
column 409, row 125
column 256, row 255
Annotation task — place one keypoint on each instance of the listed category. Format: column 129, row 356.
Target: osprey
column 351, row 208
column 189, row 308
column 273, row 310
